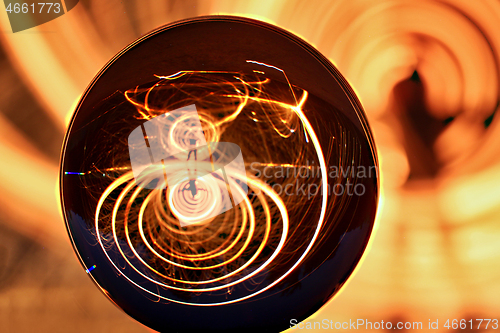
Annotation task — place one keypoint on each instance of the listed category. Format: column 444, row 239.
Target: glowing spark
column 90, row 269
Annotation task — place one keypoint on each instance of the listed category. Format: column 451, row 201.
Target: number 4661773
column 41, row 7
column 455, row 324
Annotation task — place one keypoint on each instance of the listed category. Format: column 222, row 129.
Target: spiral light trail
column 150, row 218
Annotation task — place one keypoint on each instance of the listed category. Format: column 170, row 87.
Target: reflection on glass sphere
column 219, row 175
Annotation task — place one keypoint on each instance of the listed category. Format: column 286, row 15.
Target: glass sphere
column 219, row 174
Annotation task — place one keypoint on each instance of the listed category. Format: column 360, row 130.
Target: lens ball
column 219, row 174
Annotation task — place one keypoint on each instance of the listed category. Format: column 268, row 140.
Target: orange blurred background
column 428, row 75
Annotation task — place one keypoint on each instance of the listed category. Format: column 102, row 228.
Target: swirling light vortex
column 260, row 188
